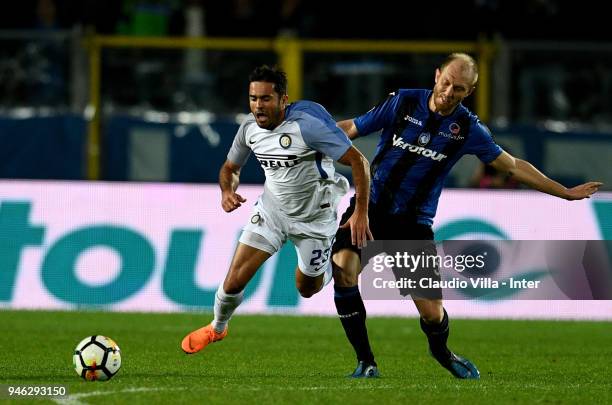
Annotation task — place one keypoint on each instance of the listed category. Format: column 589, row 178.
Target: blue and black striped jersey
column 417, row 149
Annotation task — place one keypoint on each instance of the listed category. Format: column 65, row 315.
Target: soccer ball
column 97, row 358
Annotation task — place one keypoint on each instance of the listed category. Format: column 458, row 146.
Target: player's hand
column 231, row 200
column 583, row 191
column 360, row 229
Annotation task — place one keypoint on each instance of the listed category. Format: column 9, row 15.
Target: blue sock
column 437, row 336
column 352, row 314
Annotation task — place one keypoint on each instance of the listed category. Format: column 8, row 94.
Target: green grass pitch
column 290, row 359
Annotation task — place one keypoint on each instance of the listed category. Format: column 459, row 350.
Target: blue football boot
column 365, row 370
column 460, row 367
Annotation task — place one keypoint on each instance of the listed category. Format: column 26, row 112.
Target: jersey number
column 320, row 257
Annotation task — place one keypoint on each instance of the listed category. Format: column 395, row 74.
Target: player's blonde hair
column 469, row 64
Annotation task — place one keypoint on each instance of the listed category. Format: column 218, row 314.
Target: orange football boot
column 200, row 338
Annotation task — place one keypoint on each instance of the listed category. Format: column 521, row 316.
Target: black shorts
column 388, row 227
column 383, row 227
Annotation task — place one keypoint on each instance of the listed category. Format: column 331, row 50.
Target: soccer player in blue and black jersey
column 424, row 133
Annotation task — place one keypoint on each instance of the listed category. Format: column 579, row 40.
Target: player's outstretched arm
column 358, row 222
column 527, row 174
column 349, row 127
column 229, row 178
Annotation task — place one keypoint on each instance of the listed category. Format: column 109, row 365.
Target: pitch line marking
column 74, row 399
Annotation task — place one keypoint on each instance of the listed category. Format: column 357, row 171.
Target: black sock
column 437, row 335
column 352, row 314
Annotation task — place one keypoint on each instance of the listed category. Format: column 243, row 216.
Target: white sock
column 225, row 305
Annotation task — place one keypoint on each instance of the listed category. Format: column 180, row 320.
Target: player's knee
column 432, row 314
column 307, row 289
column 431, row 318
column 306, row 293
column 345, row 276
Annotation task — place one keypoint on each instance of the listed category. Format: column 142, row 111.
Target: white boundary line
column 74, row 399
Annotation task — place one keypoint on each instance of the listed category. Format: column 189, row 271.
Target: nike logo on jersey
column 399, row 142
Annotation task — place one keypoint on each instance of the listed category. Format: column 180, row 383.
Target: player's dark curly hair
column 269, row 74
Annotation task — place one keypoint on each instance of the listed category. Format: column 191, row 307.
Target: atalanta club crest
column 285, row 141
column 424, row 138
column 454, row 128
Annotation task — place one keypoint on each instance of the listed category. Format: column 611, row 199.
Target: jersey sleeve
column 320, row 132
column 482, row 145
column 239, row 151
column 379, row 117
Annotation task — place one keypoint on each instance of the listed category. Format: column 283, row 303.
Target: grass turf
column 290, row 359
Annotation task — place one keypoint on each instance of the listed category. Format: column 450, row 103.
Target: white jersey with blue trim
column 297, row 158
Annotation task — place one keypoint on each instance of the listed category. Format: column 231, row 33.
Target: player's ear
column 438, row 73
column 471, row 90
column 284, row 100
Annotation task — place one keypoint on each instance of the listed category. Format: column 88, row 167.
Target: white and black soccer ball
column 97, row 358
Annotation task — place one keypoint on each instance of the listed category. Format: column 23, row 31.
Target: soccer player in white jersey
column 296, row 145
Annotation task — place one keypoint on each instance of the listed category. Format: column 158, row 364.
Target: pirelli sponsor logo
column 399, row 142
column 268, row 160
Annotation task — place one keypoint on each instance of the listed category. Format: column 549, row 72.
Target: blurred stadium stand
column 169, row 113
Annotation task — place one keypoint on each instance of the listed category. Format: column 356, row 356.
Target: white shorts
column 313, row 240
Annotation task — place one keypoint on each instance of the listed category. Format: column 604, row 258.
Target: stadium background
column 116, row 116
